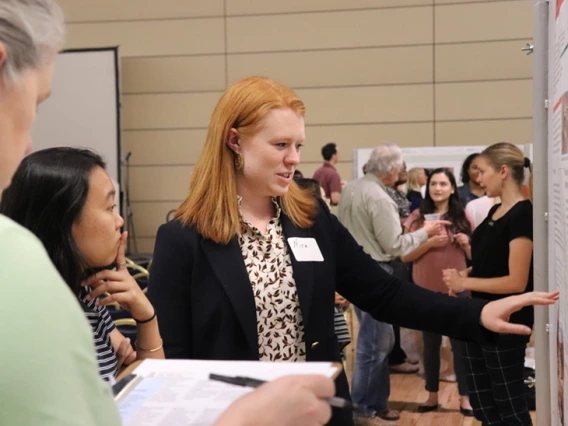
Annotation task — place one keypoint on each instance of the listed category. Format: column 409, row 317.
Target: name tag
column 305, row 249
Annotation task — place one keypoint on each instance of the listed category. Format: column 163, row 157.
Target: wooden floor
column 407, row 392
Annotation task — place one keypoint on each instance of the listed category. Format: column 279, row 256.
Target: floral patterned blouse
column 279, row 320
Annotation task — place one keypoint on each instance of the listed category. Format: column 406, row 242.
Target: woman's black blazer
column 206, row 310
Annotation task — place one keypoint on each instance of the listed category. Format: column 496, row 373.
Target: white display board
column 558, row 203
column 83, row 109
column 451, row 157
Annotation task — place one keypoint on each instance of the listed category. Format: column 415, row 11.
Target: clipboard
column 132, row 367
column 122, row 387
column 339, row 367
column 128, row 370
column 144, row 395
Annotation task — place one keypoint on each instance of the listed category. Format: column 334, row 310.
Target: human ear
column 233, row 140
column 504, row 171
column 3, row 54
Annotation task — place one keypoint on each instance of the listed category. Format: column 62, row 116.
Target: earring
column 239, row 162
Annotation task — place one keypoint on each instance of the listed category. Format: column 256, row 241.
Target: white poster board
column 83, row 109
column 558, row 204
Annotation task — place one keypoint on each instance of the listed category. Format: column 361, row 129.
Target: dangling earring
column 239, row 162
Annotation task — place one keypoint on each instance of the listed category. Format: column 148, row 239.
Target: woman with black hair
column 66, row 198
column 470, row 190
column 447, row 250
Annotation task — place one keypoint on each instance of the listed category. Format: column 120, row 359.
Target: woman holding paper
column 249, row 267
column 450, row 249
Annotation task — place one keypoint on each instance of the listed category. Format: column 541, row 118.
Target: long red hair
column 212, row 205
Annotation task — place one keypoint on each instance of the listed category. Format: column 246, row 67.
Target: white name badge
column 305, row 249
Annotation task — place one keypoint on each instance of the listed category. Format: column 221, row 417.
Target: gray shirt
column 371, row 216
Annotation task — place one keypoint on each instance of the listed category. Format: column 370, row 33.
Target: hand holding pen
column 288, row 401
column 334, row 401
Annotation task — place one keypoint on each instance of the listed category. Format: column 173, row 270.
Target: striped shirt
column 101, row 325
column 341, row 328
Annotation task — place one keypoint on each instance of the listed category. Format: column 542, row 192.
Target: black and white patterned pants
column 496, row 382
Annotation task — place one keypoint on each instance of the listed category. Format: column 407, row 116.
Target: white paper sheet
column 179, row 392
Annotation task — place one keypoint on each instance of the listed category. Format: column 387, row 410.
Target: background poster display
column 430, row 157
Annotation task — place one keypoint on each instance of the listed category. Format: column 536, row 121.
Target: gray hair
column 32, row 32
column 383, row 159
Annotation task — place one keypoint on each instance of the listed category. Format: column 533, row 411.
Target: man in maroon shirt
column 327, row 176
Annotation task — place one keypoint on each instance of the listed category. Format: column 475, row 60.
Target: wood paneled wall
column 413, row 72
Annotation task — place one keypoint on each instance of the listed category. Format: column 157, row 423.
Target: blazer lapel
column 303, row 271
column 229, row 267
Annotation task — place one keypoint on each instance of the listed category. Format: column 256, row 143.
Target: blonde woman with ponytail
column 417, row 178
column 502, row 265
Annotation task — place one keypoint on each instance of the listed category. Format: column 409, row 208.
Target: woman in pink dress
column 447, row 250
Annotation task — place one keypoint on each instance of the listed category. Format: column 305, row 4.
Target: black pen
column 334, row 401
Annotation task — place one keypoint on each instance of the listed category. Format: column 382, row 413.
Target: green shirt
column 371, row 216
column 48, row 370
